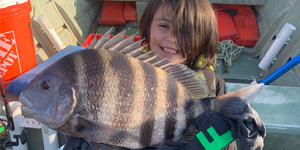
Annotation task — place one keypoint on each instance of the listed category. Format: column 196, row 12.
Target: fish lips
column 28, row 108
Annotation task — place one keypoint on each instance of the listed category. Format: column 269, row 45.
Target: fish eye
column 45, row 85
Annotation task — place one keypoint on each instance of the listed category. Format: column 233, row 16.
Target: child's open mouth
column 168, row 50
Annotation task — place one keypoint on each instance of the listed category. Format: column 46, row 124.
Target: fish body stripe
column 203, row 105
column 93, row 81
column 182, row 97
column 206, row 104
column 124, row 104
column 110, row 90
column 112, row 98
column 147, row 128
column 160, row 110
column 189, row 112
column 80, row 71
column 88, row 71
column 172, row 107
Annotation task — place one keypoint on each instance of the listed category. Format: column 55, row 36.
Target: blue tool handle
column 282, row 70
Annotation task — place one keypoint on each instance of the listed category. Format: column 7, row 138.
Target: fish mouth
column 26, row 102
column 50, row 115
column 28, row 107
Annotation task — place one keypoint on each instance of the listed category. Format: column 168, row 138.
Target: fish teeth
column 170, row 51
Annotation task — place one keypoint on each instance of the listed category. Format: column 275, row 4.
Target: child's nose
column 171, row 38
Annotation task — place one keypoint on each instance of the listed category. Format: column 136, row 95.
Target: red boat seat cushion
column 112, row 13
column 118, row 12
column 245, row 23
column 226, row 26
column 130, row 11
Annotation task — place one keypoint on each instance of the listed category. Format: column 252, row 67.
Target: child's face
column 161, row 40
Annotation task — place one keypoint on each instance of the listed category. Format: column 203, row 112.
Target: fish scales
column 177, row 113
column 124, row 72
column 172, row 107
column 163, row 98
column 109, row 95
column 147, row 128
column 90, row 86
column 108, row 71
column 114, row 77
column 133, row 88
column 164, row 106
column 123, row 77
column 110, row 82
column 91, row 82
column 125, row 102
column 87, row 74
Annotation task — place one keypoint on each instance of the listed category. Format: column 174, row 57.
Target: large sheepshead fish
column 114, row 93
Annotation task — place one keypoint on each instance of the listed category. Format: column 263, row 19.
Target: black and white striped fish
column 116, row 94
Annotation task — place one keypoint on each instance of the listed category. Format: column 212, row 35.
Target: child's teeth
column 170, row 51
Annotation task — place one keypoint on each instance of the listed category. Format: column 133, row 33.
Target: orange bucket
column 17, row 51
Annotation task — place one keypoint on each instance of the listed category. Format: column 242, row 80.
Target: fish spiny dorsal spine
column 124, row 43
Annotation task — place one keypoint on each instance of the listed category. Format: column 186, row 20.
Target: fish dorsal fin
column 117, row 47
column 136, row 52
column 114, row 40
column 102, row 40
column 196, row 86
column 132, row 46
column 184, row 75
column 94, row 40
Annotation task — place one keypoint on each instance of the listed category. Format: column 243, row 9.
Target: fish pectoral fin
column 86, row 125
column 99, row 132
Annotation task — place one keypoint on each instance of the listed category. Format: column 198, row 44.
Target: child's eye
column 163, row 26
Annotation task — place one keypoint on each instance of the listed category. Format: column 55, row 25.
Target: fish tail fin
column 232, row 105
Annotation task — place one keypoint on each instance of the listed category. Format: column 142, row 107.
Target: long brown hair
column 194, row 26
